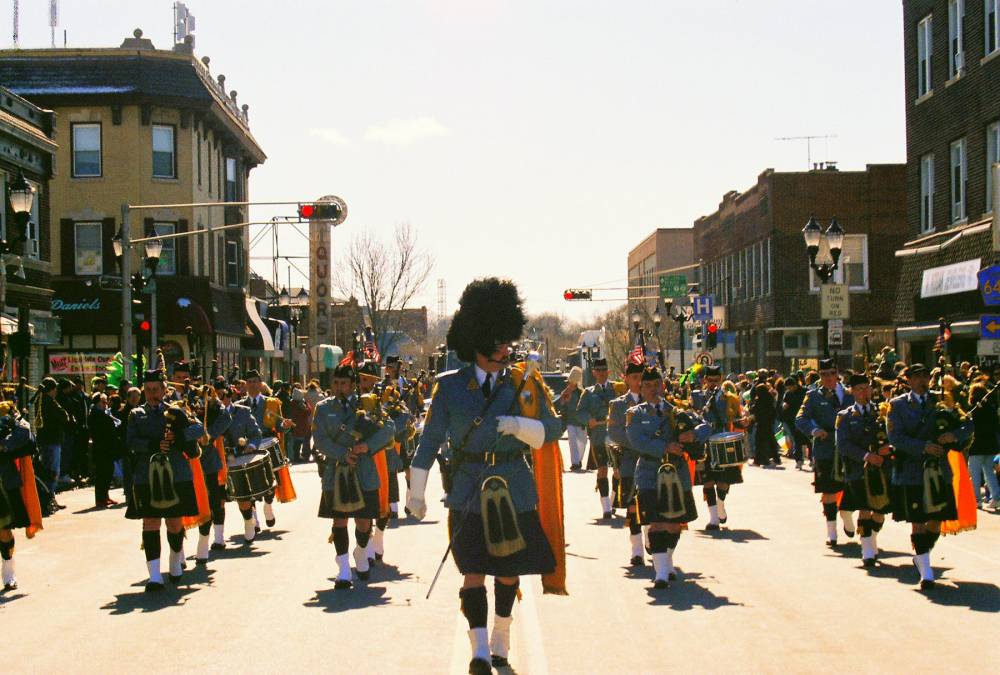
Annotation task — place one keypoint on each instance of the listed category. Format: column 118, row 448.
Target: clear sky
column 535, row 139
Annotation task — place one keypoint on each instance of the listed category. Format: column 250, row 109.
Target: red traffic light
column 145, row 326
column 306, row 210
column 713, row 329
column 577, row 294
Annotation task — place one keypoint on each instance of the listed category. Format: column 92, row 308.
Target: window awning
column 258, row 327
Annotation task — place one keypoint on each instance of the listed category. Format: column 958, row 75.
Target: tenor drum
column 727, row 449
column 272, row 447
column 249, row 476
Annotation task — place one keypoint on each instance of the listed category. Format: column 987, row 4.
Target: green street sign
column 673, row 286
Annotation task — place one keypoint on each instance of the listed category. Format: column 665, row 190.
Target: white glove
column 524, row 429
column 533, row 364
column 415, row 497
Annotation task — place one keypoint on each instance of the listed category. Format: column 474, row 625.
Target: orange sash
column 29, row 495
column 382, row 466
column 965, row 498
column 220, row 448
column 201, row 495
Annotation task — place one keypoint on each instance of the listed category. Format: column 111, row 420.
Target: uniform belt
column 491, row 458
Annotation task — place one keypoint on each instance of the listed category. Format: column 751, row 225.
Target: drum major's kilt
column 908, row 505
column 12, row 503
column 469, row 547
column 823, row 482
column 648, row 512
column 369, row 510
column 139, row 506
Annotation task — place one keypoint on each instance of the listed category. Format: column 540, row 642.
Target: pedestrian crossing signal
column 711, row 336
column 577, row 294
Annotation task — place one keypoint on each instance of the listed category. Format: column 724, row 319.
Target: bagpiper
column 626, row 458
column 19, row 504
column 593, row 412
column 723, row 412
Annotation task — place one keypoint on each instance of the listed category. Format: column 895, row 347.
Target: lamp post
column 138, row 283
column 657, row 321
column 814, row 235
column 22, row 198
column 680, row 316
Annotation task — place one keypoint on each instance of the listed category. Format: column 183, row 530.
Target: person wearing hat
column 654, row 432
column 626, row 457
column 51, row 425
column 567, row 405
column 593, row 412
column 370, row 400
column 240, row 435
column 477, row 409
column 266, row 410
column 722, row 410
column 817, row 419
column 19, row 504
column 863, row 451
column 921, row 448
column 162, row 481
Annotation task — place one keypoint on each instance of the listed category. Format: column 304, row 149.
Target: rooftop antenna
column 808, row 140
column 16, row 17
column 53, row 19
column 442, row 300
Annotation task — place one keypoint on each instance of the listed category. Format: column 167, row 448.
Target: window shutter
column 67, row 247
column 107, row 250
column 182, row 247
column 147, row 227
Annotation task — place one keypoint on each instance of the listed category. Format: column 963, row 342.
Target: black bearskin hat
column 489, row 313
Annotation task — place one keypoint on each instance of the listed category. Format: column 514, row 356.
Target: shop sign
column 956, row 278
column 79, row 363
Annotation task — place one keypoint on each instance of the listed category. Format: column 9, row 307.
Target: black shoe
column 201, row 562
column 406, row 510
column 661, row 584
column 712, row 527
column 927, row 584
column 499, row 661
column 722, row 521
column 378, row 557
column 831, row 544
column 480, row 667
column 606, row 516
column 256, row 529
column 849, row 533
column 175, row 579
column 672, row 576
column 342, row 584
column 363, row 575
column 868, row 562
column 637, row 561
column 270, row 523
column 10, row 587
column 218, row 547
column 575, row 467
column 393, row 515
column 153, row 587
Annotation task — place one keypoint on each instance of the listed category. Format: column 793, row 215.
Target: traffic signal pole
column 127, row 323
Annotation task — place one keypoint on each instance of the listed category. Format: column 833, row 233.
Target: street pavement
column 763, row 595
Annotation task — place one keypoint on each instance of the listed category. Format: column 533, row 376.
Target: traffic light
column 577, row 294
column 712, row 336
column 320, row 211
column 697, row 339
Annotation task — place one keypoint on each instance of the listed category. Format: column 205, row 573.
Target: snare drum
column 272, row 447
column 249, row 476
column 727, row 449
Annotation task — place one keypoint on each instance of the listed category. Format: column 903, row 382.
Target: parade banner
column 79, row 364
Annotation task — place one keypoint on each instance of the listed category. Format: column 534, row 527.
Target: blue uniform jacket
column 617, row 434
column 856, row 436
column 210, row 460
column 569, row 411
column 143, row 434
column 593, row 405
column 399, row 422
column 649, row 434
column 18, row 444
column 457, row 400
column 333, row 424
column 713, row 407
column 817, row 412
column 911, row 427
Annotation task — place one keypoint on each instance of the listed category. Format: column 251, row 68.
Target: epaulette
column 441, row 376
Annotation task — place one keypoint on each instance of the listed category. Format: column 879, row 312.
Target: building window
column 852, row 268
column 163, row 152
column 927, row 193
column 168, row 255
column 924, row 48
column 231, row 195
column 88, row 246
column 86, row 150
column 956, row 41
column 198, row 154
column 992, row 157
column 959, row 177
column 232, row 263
column 992, row 28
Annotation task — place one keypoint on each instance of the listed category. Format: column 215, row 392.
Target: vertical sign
column 996, row 206
column 319, row 282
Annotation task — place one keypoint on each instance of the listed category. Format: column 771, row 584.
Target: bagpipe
column 669, row 487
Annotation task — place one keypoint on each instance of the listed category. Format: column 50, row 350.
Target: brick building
column 952, row 53
column 667, row 250
column 754, row 263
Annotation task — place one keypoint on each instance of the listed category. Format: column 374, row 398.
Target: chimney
column 137, row 41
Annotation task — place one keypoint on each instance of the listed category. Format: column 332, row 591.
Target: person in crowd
column 983, row 404
column 51, row 425
column 764, row 414
column 107, row 447
column 300, row 413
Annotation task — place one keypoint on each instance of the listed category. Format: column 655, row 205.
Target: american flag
column 370, row 349
column 348, row 360
column 636, row 356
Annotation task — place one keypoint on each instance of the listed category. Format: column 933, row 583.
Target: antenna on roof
column 16, row 17
column 53, row 19
column 808, row 140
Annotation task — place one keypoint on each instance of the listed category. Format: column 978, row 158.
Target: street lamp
column 22, row 198
column 680, row 316
column 284, row 299
column 636, row 318
column 813, row 235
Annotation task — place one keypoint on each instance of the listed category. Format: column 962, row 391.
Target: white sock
column 661, row 565
column 636, row 541
column 848, row 518
column 478, row 638
column 268, row 511
column 154, row 571
column 722, row 508
column 867, row 549
column 202, row 547
column 605, row 504
column 831, row 530
column 176, row 563
column 670, row 561
column 713, row 514
column 361, row 558
column 8, row 572
column 394, row 507
column 377, row 541
column 256, row 520
column 343, row 568
column 500, row 638
column 874, row 539
column 923, row 563
column 219, row 529
column 248, row 529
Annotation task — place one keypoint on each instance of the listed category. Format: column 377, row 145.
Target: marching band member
column 240, row 435
column 161, row 440
column 921, row 474
column 402, row 421
column 866, row 464
column 593, row 412
column 817, row 418
column 567, row 406
column 665, row 501
column 626, row 457
column 388, row 464
column 722, row 411
column 213, row 464
column 347, row 440
column 259, row 407
column 494, row 524
column 19, row 505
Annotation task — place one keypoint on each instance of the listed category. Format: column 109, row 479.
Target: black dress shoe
column 480, row 667
column 393, row 515
column 499, row 661
column 831, row 544
column 722, row 521
column 201, row 562
column 849, row 533
column 407, row 511
column 256, row 529
column 378, row 557
column 364, row 575
column 712, row 526
column 575, row 467
column 661, row 584
column 637, row 561
column 606, row 516
column 270, row 523
column 218, row 547
column 927, row 584
column 672, row 576
column 153, row 587
column 342, row 584
column 868, row 562
column 175, row 579
column 12, row 586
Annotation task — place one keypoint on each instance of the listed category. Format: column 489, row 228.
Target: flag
column 784, row 443
column 347, row 360
column 636, row 356
column 370, row 350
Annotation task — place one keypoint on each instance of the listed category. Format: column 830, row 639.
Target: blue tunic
column 617, row 434
column 911, row 427
column 333, row 425
column 18, row 444
column 143, row 434
column 820, row 412
column 594, row 404
column 650, row 433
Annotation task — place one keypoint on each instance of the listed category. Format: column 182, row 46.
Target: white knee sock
column 500, row 638
column 219, row 529
column 478, row 638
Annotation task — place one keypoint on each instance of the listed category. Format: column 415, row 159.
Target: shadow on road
column 140, row 601
column 331, row 600
column 238, row 550
column 93, row 509
column 270, row 535
column 740, row 536
column 10, row 596
column 685, row 594
column 976, row 595
column 384, row 572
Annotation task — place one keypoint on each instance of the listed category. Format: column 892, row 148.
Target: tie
column 659, row 410
column 487, row 385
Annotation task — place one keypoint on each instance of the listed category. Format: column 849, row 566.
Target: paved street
column 766, row 583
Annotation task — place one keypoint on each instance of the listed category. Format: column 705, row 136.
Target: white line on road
column 530, row 631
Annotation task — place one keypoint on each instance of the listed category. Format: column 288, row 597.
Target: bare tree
column 385, row 276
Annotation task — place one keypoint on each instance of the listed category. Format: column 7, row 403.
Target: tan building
column 139, row 125
column 667, row 248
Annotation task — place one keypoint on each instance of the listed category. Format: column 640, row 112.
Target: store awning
column 9, row 325
column 258, row 327
column 931, row 330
